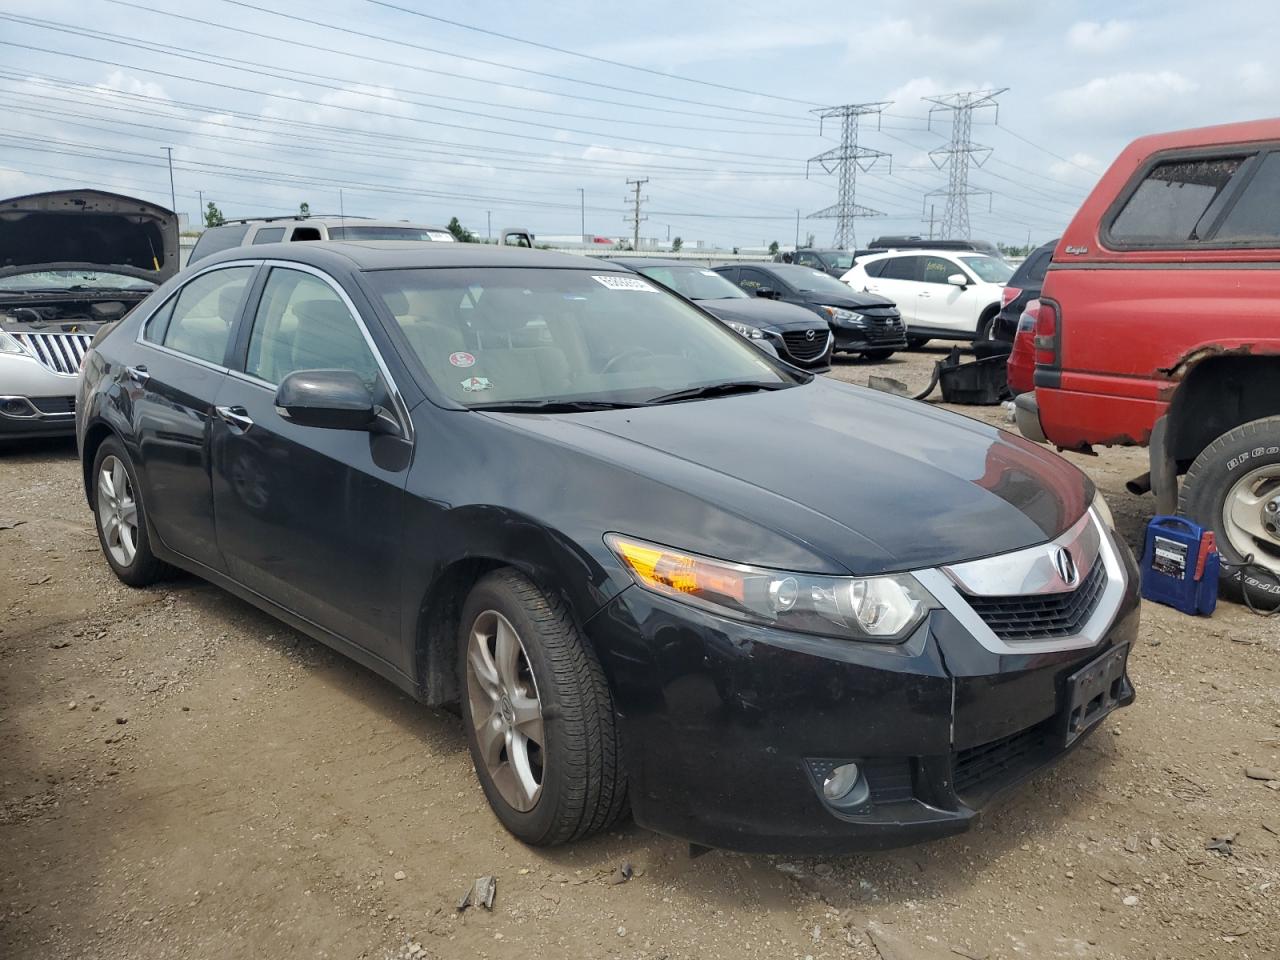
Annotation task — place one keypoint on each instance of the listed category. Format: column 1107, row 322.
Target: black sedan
column 861, row 323
column 549, row 491
column 794, row 333
column 1023, row 287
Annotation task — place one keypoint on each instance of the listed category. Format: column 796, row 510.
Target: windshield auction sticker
column 625, row 283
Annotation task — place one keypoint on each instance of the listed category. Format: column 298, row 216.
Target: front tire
column 877, row 355
column 916, row 343
column 538, row 712
column 1233, row 489
column 121, row 519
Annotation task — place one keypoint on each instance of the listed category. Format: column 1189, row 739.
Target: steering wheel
column 626, row 355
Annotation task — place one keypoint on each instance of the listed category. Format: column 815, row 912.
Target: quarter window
column 1256, row 214
column 269, row 235
column 302, row 324
column 1176, row 202
column 202, row 315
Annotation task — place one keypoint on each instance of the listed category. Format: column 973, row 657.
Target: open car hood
column 88, row 230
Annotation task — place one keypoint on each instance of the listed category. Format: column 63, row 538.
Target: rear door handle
column 138, row 374
column 235, row 416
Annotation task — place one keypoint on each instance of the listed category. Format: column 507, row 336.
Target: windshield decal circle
column 462, row 359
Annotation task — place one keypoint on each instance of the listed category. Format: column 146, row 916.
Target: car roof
column 635, row 263
column 404, row 255
column 923, row 252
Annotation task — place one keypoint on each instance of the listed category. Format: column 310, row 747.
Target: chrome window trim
column 944, row 589
column 397, row 399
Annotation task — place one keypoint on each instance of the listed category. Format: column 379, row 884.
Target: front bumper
column 875, row 333
column 727, row 727
column 36, row 416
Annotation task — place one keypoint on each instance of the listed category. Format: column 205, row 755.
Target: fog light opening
column 841, row 781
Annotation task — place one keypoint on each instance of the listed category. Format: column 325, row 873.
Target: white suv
column 947, row 294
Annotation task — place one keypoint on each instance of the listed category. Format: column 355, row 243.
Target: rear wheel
column 120, row 518
column 877, row 355
column 1233, row 489
column 539, row 714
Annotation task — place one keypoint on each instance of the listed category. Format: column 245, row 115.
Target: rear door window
column 204, row 311
column 217, row 239
column 1176, row 201
column 901, row 268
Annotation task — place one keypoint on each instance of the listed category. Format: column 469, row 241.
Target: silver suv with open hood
column 70, row 262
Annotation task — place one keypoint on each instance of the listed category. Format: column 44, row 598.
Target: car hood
column 867, row 482
column 88, row 230
column 760, row 312
column 853, row 300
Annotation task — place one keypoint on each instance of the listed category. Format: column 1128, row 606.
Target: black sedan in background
column 652, row 566
column 794, row 333
column 861, row 323
column 1023, row 287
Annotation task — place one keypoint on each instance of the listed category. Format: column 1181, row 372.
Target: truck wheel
column 538, row 713
column 1233, row 489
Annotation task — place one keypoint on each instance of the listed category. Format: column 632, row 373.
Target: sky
column 523, row 114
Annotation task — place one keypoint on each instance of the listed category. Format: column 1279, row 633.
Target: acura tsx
column 548, row 492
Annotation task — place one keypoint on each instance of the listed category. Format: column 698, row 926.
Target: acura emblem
column 811, row 334
column 1066, row 567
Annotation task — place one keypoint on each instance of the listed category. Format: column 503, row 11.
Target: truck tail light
column 1047, row 335
column 1008, row 295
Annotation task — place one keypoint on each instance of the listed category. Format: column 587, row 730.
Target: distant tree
column 735, row 250
column 304, row 209
column 1014, row 250
column 773, row 248
column 213, row 216
column 676, row 244
column 460, row 233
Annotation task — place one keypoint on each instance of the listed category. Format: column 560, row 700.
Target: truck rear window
column 1173, row 200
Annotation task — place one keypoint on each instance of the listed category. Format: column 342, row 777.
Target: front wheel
column 877, row 355
column 1233, row 489
column 915, row 343
column 121, row 519
column 538, row 713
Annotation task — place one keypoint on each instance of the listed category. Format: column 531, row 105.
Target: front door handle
column 235, row 416
column 925, row 295
column 138, row 374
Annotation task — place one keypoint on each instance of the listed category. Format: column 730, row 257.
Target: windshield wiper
column 719, row 390
column 552, row 406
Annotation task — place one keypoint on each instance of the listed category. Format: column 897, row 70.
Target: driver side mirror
column 332, row 400
column 767, row 292
column 958, row 280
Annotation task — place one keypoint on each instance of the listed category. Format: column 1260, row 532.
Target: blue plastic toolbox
column 1180, row 565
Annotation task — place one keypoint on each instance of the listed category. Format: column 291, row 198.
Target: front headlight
column 11, row 344
column 748, row 331
column 848, row 316
column 882, row 609
column 1103, row 511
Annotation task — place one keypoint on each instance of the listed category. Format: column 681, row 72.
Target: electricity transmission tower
column 845, row 160
column 958, row 155
column 634, row 217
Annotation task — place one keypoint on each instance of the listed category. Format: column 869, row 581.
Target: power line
column 959, row 154
column 1045, row 150
column 847, row 158
column 586, row 56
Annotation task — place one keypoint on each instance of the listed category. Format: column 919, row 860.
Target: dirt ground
column 185, row 777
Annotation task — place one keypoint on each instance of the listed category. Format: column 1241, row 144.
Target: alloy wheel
column 117, row 511
column 505, row 710
column 1251, row 516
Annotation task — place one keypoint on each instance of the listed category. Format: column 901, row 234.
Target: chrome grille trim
column 59, row 352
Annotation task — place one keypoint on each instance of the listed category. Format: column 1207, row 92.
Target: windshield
column 840, row 261
column 989, row 269
column 348, row 232
column 491, row 335
column 696, row 283
column 74, row 279
column 808, row 280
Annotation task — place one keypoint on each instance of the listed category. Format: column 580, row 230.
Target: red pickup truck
column 1159, row 325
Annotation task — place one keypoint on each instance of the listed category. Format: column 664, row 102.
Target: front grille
column 989, row 764
column 1042, row 616
column 801, row 347
column 885, row 329
column 60, row 352
column 54, row 404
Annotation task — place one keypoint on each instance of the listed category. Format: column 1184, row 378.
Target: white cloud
column 1071, row 168
column 1125, row 98
column 120, row 82
column 1254, row 79
column 1089, row 36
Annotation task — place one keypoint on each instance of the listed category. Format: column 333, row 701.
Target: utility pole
column 173, row 197
column 931, row 209
column 342, row 209
column 797, row 229
column 958, row 155
column 634, row 218
column 582, row 201
column 845, row 160
column 488, row 225
column 200, row 194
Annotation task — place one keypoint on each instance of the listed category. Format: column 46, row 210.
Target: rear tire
column 539, row 714
column 1233, row 489
column 121, row 518
column 878, row 355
